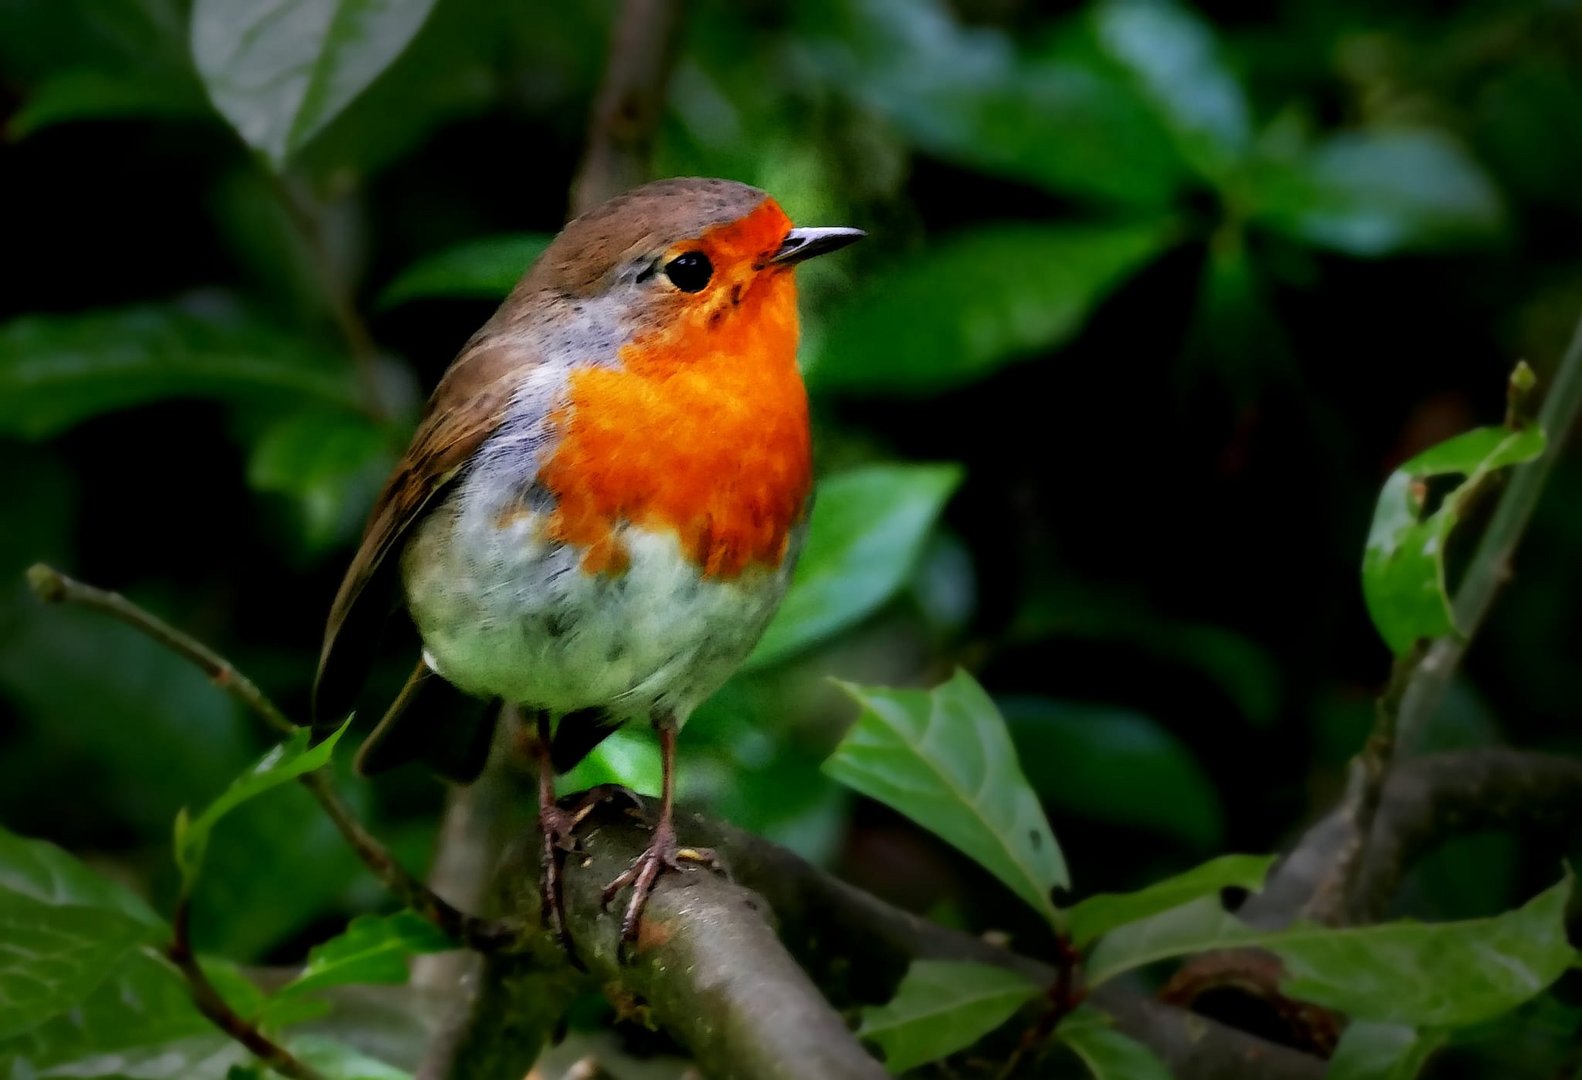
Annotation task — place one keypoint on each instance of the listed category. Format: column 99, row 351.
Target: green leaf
column 286, row 762
column 1090, row 760
column 142, row 1012
column 943, row 758
column 971, row 303
column 57, row 370
column 1403, row 566
column 329, row 463
column 1433, row 974
column 51, row 957
column 1098, row 915
column 1369, row 1050
column 1108, row 1054
column 486, row 268
column 41, row 872
column 867, row 530
column 1421, row 974
column 374, row 949
column 280, row 71
column 62, row 930
column 628, row 757
column 1381, row 193
column 942, row 1007
column 1056, row 115
column 336, row 1060
column 86, row 94
column 1175, row 58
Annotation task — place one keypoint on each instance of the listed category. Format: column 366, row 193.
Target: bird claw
column 557, row 826
column 662, row 854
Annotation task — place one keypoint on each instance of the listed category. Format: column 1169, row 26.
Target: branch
column 1491, row 562
column 1419, row 678
column 1425, row 801
column 710, row 970
column 1434, row 797
column 337, row 291
column 630, row 103
column 218, row 1011
column 54, row 587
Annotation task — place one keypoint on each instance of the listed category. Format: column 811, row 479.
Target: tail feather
column 432, row 722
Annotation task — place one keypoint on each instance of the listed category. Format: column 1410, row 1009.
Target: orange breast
column 702, row 430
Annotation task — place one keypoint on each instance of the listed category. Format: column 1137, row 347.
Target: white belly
column 505, row 613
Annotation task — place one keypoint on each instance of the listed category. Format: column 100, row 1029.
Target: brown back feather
column 466, row 407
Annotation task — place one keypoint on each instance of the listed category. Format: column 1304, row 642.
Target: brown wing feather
column 467, row 406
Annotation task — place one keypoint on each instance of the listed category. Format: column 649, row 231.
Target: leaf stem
column 1491, row 561
column 1420, row 678
column 483, row 935
column 337, row 292
column 218, row 1011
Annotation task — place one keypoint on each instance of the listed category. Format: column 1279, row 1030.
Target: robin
column 602, row 506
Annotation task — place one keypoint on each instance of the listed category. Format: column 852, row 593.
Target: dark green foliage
column 1157, row 299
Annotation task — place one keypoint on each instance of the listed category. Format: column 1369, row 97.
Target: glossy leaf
column 943, row 758
column 969, row 304
column 291, row 759
column 1420, row 974
column 1369, row 1050
column 486, row 268
column 57, row 370
column 1091, row 760
column 86, row 94
column 867, row 530
column 337, row 1060
column 1108, row 1054
column 1379, row 193
column 1403, row 566
column 330, row 464
column 1098, row 915
column 373, row 949
column 142, row 1011
column 942, row 1007
column 1174, row 56
column 280, row 70
column 41, row 872
column 62, row 930
column 1058, row 115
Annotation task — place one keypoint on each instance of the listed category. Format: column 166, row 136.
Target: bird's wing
column 469, row 404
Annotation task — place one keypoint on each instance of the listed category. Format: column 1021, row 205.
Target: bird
column 600, row 509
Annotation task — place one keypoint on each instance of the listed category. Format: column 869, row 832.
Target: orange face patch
column 703, row 429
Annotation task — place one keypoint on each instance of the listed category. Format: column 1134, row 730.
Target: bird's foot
column 557, row 827
column 662, row 854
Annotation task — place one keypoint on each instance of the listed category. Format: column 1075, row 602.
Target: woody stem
column 52, row 586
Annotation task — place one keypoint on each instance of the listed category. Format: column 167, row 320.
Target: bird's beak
column 801, row 244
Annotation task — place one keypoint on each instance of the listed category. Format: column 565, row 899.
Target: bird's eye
column 690, row 271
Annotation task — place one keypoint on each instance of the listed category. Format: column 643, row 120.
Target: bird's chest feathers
column 702, row 431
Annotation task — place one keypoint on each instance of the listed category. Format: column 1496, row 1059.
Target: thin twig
column 218, row 1011
column 630, row 103
column 54, row 587
column 1420, row 678
column 1491, row 562
column 484, row 935
column 337, row 292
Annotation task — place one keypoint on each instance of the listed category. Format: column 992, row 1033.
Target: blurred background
column 1155, row 298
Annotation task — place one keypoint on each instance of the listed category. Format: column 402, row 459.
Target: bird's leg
column 662, row 852
column 557, row 827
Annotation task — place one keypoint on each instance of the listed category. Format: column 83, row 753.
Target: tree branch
column 54, row 587
column 710, row 969
column 1419, row 678
column 627, row 112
